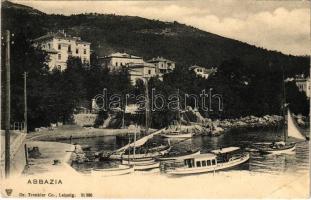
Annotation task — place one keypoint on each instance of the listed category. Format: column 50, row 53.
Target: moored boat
column 221, row 159
column 146, row 166
column 141, row 164
column 137, row 161
column 178, row 134
column 120, row 170
column 148, row 154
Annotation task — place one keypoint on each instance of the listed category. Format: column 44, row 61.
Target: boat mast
column 123, row 116
column 147, row 106
column 134, row 142
column 179, row 117
column 284, row 105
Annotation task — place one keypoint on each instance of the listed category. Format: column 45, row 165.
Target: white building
column 163, row 66
column 60, row 46
column 139, row 71
column 202, row 71
column 115, row 61
column 303, row 84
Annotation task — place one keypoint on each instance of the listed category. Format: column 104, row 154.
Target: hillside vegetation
column 148, row 38
column 249, row 79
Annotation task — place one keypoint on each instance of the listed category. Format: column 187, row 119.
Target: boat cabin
column 227, row 154
column 201, row 160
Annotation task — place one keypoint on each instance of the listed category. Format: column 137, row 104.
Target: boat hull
column 137, row 161
column 146, row 166
column 125, row 169
column 219, row 166
column 181, row 136
column 139, row 156
column 286, row 150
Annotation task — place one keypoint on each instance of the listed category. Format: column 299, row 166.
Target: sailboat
column 281, row 147
column 135, row 151
column 178, row 133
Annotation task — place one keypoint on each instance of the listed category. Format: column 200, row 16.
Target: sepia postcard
column 155, row 99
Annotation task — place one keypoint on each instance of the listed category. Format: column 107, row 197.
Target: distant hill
column 148, row 38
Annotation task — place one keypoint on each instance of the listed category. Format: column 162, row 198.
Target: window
column 77, row 51
column 204, row 163
column 49, row 46
column 213, row 162
column 43, row 46
column 149, row 71
column 84, row 51
column 198, row 163
column 116, row 63
column 59, row 46
column 59, row 56
column 69, row 48
column 208, row 162
column 189, row 163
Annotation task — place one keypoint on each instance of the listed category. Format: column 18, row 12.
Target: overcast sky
column 282, row 25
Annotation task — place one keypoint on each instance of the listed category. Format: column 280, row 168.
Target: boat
column 144, row 165
column 221, row 159
column 178, row 156
column 283, row 146
column 128, row 154
column 137, row 161
column 120, row 170
column 178, row 134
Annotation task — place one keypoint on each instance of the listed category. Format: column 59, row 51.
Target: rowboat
column 120, row 170
column 142, row 164
column 221, row 159
column 177, row 134
column 146, row 166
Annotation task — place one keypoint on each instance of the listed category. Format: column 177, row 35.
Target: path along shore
column 75, row 132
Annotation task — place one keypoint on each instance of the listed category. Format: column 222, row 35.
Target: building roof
column 159, row 59
column 59, row 35
column 121, row 55
column 225, row 150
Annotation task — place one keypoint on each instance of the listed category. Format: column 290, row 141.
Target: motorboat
column 220, row 159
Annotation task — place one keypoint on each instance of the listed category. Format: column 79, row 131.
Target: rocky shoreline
column 204, row 128
column 250, row 121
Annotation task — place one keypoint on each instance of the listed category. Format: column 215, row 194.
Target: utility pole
column 25, row 103
column 7, row 105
